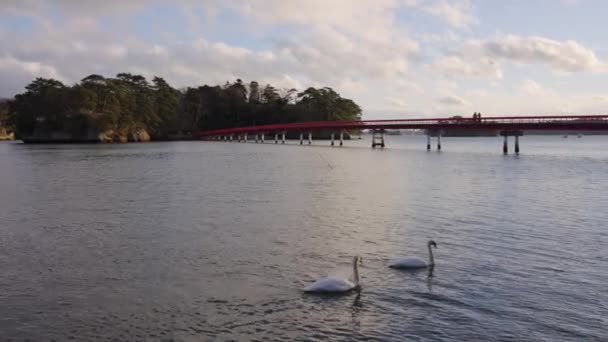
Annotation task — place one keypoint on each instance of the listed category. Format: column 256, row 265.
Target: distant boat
column 565, row 137
column 579, row 136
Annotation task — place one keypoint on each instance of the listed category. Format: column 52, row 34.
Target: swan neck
column 356, row 271
column 431, row 259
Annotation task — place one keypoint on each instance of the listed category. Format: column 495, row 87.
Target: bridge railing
column 411, row 123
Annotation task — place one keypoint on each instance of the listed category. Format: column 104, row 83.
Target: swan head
column 432, row 243
column 358, row 260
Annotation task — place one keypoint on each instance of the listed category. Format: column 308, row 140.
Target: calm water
column 197, row 241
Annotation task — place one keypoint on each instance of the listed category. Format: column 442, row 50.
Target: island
column 129, row 108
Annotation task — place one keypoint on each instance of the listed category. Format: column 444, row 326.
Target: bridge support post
column 225, row 138
column 428, row 141
column 263, row 138
column 438, row 141
column 505, row 145
column 517, row 144
column 256, row 138
column 309, row 138
column 341, row 138
column 283, row 138
column 245, row 138
column 301, row 138
column 276, row 138
column 332, row 138
column 378, row 138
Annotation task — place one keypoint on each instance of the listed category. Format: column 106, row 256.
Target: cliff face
column 89, row 134
column 5, row 132
column 5, row 135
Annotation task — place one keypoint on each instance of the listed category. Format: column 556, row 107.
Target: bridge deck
column 502, row 123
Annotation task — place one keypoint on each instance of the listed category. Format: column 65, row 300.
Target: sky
column 395, row 58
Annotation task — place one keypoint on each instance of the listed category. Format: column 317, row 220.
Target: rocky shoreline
column 5, row 135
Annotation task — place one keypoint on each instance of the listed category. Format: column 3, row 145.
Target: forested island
column 130, row 108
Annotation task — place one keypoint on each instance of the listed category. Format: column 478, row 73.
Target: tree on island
column 128, row 103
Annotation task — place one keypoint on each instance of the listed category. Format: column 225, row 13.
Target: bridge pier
column 505, row 144
column 428, row 141
column 225, row 138
column 263, row 138
column 301, row 138
column 341, row 138
column 378, row 138
column 276, row 138
column 283, row 138
column 245, row 138
column 309, row 138
column 439, row 141
column 256, row 138
column 332, row 138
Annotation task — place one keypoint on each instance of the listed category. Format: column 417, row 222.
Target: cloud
column 458, row 14
column 394, row 102
column 327, row 54
column 364, row 49
column 483, row 59
column 18, row 73
column 325, row 45
column 453, row 100
column 531, row 87
column 478, row 67
column 341, row 15
column 568, row 56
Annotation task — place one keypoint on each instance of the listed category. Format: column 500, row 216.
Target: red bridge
column 504, row 125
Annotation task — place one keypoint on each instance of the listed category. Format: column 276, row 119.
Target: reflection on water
column 191, row 241
column 429, row 278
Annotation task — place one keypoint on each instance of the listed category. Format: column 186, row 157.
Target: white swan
column 415, row 262
column 335, row 284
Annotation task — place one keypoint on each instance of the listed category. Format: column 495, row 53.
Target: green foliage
column 129, row 102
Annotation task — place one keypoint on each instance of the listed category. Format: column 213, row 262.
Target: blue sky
column 396, row 58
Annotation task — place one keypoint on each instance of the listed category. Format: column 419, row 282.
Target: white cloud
column 456, row 66
column 453, row 100
column 409, row 87
column 16, row 73
column 568, row 56
column 531, row 87
column 394, row 102
column 361, row 48
column 458, row 14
